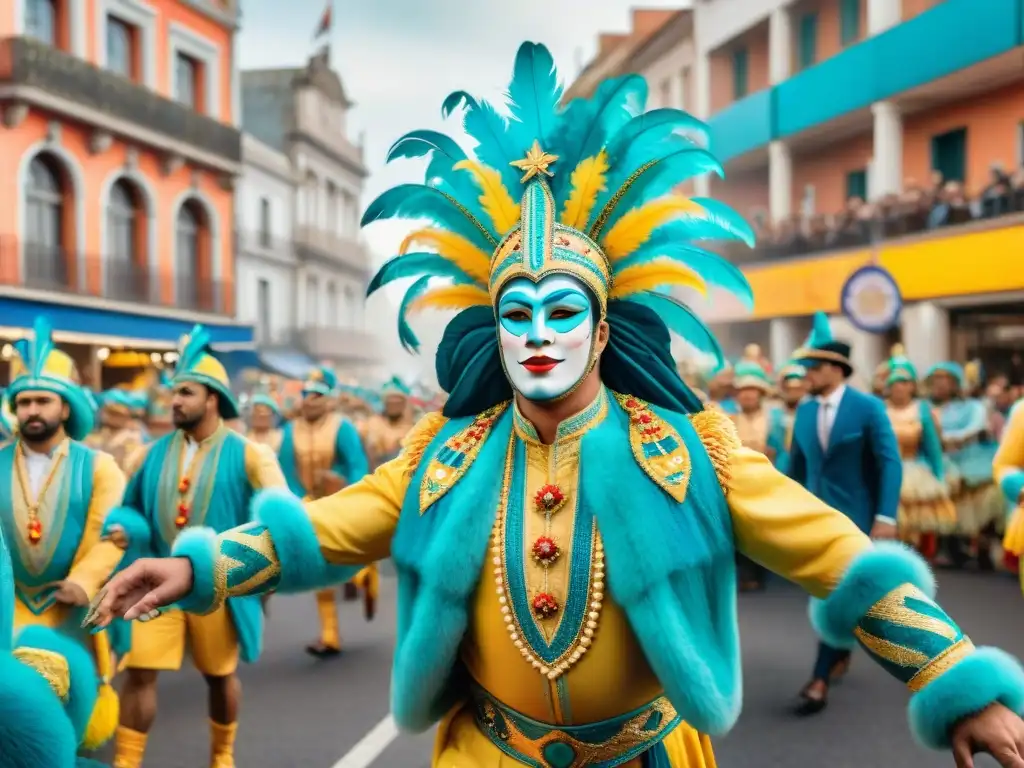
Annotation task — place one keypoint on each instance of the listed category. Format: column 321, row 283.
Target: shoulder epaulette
column 420, row 436
column 717, row 432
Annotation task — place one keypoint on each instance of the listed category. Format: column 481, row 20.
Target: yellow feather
column 636, row 226
column 588, row 181
column 654, row 275
column 455, row 248
column 451, row 297
column 496, row 200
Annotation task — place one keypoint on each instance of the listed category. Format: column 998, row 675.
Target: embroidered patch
column 417, row 441
column 246, row 564
column 657, row 447
column 456, row 456
column 718, row 434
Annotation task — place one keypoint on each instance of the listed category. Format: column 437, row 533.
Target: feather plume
column 681, row 320
column 495, row 148
column 416, row 265
column 730, row 224
column 417, row 201
column 821, row 331
column 635, row 227
column 455, row 100
column 405, row 333
column 495, row 198
column 455, row 248
column 444, row 153
column 655, row 275
column 587, row 183
column 194, row 348
column 455, row 296
column 533, row 96
column 657, row 125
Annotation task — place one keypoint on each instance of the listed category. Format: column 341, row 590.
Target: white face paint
column 546, row 331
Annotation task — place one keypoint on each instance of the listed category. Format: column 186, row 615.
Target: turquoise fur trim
column 303, row 567
column 200, row 546
column 872, row 575
column 135, row 528
column 33, row 724
column 1012, row 484
column 84, row 686
column 82, row 414
column 987, row 676
column 227, row 405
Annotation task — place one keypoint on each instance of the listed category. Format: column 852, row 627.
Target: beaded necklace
column 35, row 526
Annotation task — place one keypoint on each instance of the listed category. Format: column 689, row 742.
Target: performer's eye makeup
column 564, row 313
column 516, row 314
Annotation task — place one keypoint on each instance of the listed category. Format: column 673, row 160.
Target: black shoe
column 810, row 705
column 321, row 651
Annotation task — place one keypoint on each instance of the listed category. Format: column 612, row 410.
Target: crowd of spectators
column 919, row 208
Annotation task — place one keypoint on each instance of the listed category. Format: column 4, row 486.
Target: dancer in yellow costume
column 384, row 432
column 1008, row 469
column 202, row 473
column 565, row 533
column 55, row 493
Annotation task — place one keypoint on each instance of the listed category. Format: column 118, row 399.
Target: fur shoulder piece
column 717, row 432
column 50, row 665
column 420, row 436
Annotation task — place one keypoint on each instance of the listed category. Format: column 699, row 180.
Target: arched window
column 125, row 257
column 41, row 20
column 193, row 283
column 45, row 257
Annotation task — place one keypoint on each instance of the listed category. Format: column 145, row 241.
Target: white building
column 302, row 113
column 266, row 263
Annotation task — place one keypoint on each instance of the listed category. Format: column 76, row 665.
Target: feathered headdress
column 197, row 363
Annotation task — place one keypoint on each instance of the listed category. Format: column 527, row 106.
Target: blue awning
column 95, row 325
column 237, row 360
column 291, row 365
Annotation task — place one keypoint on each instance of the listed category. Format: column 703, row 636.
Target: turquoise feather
column 444, row 153
column 495, row 148
column 655, row 127
column 418, row 201
column 197, row 346
column 681, row 320
column 35, row 350
column 533, row 95
column 821, row 331
column 455, row 100
column 668, row 243
column 417, row 265
column 406, row 335
column 588, row 123
column 731, row 225
column 651, row 176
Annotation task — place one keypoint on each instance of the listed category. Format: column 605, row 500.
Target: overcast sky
column 398, row 60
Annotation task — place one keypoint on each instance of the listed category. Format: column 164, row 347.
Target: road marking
column 370, row 747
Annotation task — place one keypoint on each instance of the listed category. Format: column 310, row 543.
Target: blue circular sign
column 871, row 300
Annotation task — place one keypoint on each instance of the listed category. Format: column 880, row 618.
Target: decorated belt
column 600, row 745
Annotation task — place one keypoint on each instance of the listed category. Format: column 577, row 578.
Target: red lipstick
column 540, row 364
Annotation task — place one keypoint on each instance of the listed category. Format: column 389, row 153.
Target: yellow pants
column 461, row 744
column 160, row 643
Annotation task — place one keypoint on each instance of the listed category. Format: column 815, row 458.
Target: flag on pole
column 324, row 27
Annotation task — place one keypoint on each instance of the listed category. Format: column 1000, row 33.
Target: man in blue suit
column 844, row 451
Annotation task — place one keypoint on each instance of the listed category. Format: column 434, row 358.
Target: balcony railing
column 53, row 269
column 31, row 64
column 258, row 241
column 347, row 251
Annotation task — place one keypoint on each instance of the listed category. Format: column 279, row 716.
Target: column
column 886, row 174
column 780, row 180
column 867, row 350
column 702, row 109
column 783, row 339
column 883, row 14
column 780, row 46
column 926, row 335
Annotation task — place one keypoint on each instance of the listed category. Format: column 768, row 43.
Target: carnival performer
column 321, row 453
column 55, row 493
column 720, row 387
column 969, row 453
column 48, row 689
column 753, row 420
column 1008, row 468
column 386, row 431
column 926, row 510
column 565, row 534
column 201, row 474
column 792, row 392
column 265, row 422
column 844, row 452
column 119, row 433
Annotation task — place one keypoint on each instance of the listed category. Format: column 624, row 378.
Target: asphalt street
column 303, row 713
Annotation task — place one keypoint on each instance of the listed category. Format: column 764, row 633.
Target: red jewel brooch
column 549, row 498
column 545, row 551
column 35, row 531
column 544, row 605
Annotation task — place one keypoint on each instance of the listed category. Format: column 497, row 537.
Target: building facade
column 884, row 132
column 303, row 114
column 119, row 136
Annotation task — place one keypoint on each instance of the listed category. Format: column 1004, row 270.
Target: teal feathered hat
column 39, row 365
column 395, row 386
column 263, row 397
column 951, row 369
column 588, row 190
column 792, row 370
column 749, row 373
column 821, row 347
column 321, row 380
column 120, row 400
column 196, row 363
column 899, row 366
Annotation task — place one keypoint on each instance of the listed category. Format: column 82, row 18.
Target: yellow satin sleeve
column 1010, row 456
column 262, row 467
column 96, row 559
column 787, row 529
column 355, row 525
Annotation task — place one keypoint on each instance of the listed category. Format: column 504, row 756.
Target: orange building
column 119, row 150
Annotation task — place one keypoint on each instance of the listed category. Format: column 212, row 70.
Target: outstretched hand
column 140, row 589
column 995, row 731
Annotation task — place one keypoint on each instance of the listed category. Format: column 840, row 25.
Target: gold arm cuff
column 941, row 664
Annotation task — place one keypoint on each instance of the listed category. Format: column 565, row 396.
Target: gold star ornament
column 535, row 163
